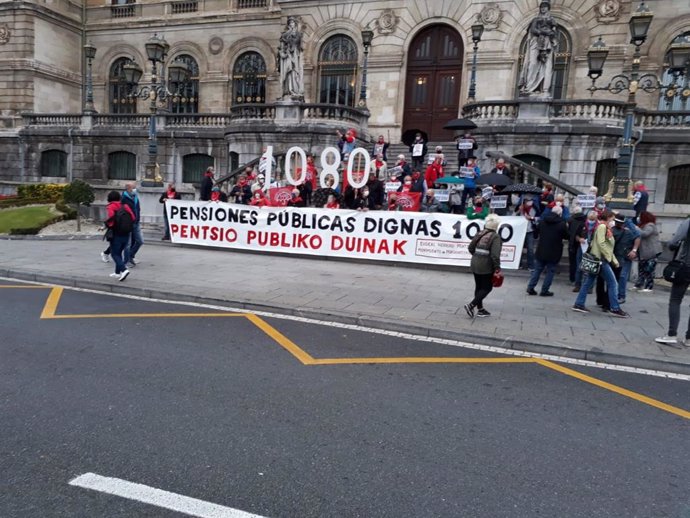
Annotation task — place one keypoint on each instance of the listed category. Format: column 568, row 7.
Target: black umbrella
column 494, row 179
column 408, row 136
column 521, row 188
column 460, row 124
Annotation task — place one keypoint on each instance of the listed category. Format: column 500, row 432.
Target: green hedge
column 69, row 212
column 21, row 202
column 50, row 192
column 30, row 231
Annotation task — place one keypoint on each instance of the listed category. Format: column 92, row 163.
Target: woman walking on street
column 602, row 249
column 650, row 249
column 485, row 248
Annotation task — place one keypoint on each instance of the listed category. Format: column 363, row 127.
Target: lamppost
column 367, row 36
column 156, row 51
column 89, row 53
column 477, row 31
column 619, row 194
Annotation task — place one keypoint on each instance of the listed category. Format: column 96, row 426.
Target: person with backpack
column 121, row 221
column 131, row 199
column 485, row 248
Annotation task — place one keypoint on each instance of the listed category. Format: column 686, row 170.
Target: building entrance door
column 432, row 86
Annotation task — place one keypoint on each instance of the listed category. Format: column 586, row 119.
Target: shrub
column 30, row 231
column 78, row 193
column 69, row 212
column 46, row 192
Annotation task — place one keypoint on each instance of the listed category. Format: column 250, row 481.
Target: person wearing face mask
column 434, row 171
column 528, row 211
column 418, row 183
column 559, row 201
column 500, row 167
column 380, row 148
column 418, row 150
column 577, row 234
column 376, row 192
column 547, row 196
column 602, row 248
column 429, row 202
column 241, row 192
column 552, row 231
column 131, row 199
column 470, row 183
column 479, row 208
column 599, row 205
column 406, row 185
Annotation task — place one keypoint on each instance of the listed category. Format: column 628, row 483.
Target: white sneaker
column 668, row 340
column 114, row 274
column 124, row 275
column 134, row 261
column 105, row 257
column 647, row 290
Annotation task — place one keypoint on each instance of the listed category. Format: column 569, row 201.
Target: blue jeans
column 529, row 245
column 136, row 242
column 626, row 265
column 578, row 272
column 550, row 272
column 611, row 285
column 117, row 248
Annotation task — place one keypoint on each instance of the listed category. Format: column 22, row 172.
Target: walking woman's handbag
column 497, row 279
column 589, row 263
column 678, row 271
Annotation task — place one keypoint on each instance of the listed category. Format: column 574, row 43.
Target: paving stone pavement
column 423, row 301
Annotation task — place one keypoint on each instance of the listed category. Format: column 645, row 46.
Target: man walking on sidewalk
column 552, row 231
column 130, row 198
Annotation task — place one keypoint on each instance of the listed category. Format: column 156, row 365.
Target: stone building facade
column 418, row 75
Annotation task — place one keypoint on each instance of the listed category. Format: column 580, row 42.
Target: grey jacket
column 486, row 252
column 678, row 237
column 650, row 244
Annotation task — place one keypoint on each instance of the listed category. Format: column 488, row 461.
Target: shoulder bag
column 678, row 271
column 589, row 263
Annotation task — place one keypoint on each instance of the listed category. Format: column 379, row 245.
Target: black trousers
column 572, row 262
column 483, row 285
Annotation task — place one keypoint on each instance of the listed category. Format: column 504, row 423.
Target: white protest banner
column 586, row 201
column 417, row 150
column 465, row 143
column 395, row 171
column 391, row 186
column 467, row 172
column 441, row 195
column 487, row 192
column 499, row 202
column 377, row 235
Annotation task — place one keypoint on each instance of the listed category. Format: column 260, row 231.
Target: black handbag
column 678, row 271
column 589, row 263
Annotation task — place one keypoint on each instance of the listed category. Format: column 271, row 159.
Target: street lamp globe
column 89, row 50
column 133, row 72
column 155, row 48
column 596, row 57
column 367, row 36
column 477, row 31
column 639, row 24
column 178, row 72
column 679, row 55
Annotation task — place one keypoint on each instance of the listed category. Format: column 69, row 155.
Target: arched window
column 194, row 166
column 249, row 79
column 186, row 94
column 54, row 163
column 677, row 102
column 606, row 170
column 337, row 71
column 122, row 165
column 678, row 185
column 120, row 90
column 561, row 64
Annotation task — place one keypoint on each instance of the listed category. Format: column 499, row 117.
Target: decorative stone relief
column 608, row 11
column 4, row 34
column 387, row 22
column 490, row 17
column 215, row 45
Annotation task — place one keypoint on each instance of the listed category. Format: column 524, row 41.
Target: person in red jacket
column 121, row 235
column 259, row 199
column 434, row 171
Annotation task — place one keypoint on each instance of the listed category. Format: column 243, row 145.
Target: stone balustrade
column 309, row 113
column 589, row 110
column 491, row 110
column 663, row 119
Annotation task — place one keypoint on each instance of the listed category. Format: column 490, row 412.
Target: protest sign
column 417, row 150
column 487, row 192
column 586, row 201
column 499, row 202
column 465, row 143
column 467, row 172
column 376, row 235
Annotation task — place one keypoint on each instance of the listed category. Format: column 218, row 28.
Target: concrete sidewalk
column 427, row 302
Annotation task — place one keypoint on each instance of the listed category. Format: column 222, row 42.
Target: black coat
column 205, row 189
column 576, row 228
column 552, row 231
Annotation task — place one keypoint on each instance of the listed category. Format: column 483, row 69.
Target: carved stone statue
column 290, row 63
column 542, row 43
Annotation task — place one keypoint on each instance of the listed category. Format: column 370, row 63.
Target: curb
column 509, row 343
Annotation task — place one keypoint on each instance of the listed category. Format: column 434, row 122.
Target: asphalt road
column 219, row 409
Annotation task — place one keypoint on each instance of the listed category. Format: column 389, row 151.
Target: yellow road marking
column 148, row 315
column 283, row 340
column 615, row 388
column 51, row 303
column 56, row 292
column 413, row 359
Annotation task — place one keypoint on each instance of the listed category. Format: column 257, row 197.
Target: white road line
column 157, row 497
column 407, row 336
